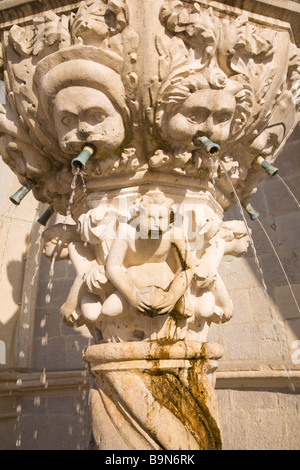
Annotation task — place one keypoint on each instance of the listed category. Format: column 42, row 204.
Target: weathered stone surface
column 148, row 195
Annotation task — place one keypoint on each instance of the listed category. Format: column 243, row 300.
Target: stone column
column 154, row 396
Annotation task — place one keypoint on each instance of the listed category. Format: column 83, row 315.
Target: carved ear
column 244, row 103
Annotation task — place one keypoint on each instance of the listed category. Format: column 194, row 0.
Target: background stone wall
column 257, row 392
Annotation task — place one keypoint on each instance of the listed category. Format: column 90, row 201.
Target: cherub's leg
column 114, row 305
column 222, row 297
column 68, row 309
column 91, row 307
column 204, row 305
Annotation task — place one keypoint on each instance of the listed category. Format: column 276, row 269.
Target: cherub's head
column 235, row 234
column 155, row 213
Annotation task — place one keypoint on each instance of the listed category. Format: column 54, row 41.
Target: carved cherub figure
column 211, row 298
column 141, row 263
column 97, row 21
column 64, row 242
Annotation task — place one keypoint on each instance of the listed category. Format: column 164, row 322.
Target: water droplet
column 35, row 434
column 18, row 442
column 26, row 326
column 47, row 298
column 37, row 401
column 19, row 409
column 21, row 354
column 19, row 383
column 292, row 387
column 50, row 285
column 44, row 340
column 43, row 377
column 43, row 321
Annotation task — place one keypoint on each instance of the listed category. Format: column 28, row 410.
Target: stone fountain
column 144, row 122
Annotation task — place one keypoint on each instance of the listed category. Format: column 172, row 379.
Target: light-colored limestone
column 141, row 277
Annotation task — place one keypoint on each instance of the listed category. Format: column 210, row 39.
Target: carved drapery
column 148, row 202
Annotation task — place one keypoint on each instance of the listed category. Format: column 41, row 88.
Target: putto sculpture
column 170, row 129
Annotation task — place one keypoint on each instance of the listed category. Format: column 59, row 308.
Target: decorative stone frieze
column 145, row 122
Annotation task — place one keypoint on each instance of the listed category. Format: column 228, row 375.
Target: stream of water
column 279, row 261
column 287, row 369
column 289, row 190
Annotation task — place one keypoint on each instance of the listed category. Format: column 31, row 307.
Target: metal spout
column 46, row 216
column 17, row 197
column 81, row 160
column 251, row 211
column 270, row 169
column 200, row 139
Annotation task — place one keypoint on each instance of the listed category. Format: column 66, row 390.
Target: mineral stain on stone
column 189, row 405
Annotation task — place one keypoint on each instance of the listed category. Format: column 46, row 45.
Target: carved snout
column 200, row 140
column 17, row 197
column 270, row 169
column 81, row 160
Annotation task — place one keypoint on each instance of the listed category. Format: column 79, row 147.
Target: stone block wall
column 257, row 382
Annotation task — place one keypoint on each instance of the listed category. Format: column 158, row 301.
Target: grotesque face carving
column 268, row 141
column 86, row 115
column 208, row 111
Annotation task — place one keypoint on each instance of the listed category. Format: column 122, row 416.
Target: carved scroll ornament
column 148, row 235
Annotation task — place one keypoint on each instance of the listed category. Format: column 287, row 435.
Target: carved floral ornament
column 142, row 273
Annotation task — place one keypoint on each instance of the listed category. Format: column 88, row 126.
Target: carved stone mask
column 83, row 114
column 208, row 111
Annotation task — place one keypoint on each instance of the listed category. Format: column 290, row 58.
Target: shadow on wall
column 8, row 329
column 56, row 346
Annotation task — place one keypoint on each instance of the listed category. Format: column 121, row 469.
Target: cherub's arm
column 183, row 276
column 119, row 277
column 209, row 263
